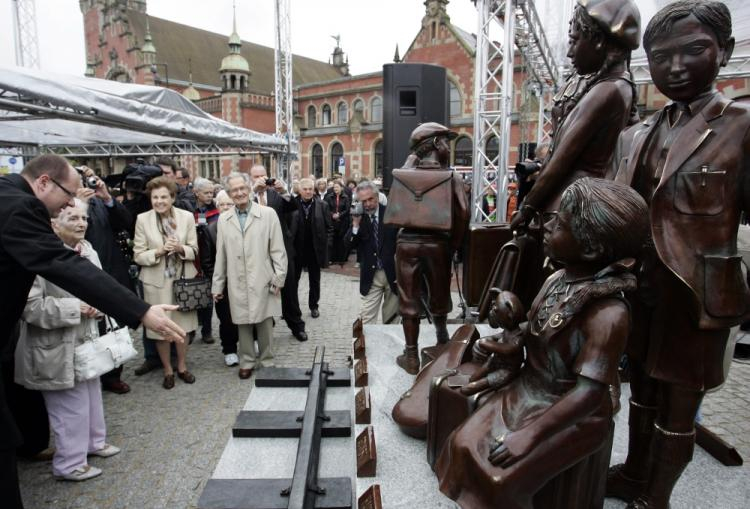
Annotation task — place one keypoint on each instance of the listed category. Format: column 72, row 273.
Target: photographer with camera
column 376, row 247
column 106, row 220
column 528, row 170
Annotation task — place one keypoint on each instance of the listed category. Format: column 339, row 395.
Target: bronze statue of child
column 557, row 410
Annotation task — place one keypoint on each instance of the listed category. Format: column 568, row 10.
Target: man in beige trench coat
column 251, row 264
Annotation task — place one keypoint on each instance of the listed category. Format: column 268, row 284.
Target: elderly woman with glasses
column 54, row 322
column 165, row 246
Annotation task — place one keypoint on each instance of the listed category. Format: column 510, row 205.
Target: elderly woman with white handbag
column 54, row 323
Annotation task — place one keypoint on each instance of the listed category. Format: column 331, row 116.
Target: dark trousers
column 10, row 493
column 313, row 271
column 227, row 330
column 205, row 316
column 290, row 300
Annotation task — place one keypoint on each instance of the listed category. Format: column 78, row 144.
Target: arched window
column 316, row 161
column 455, row 100
column 492, row 149
column 337, row 154
column 342, row 113
column 242, row 83
column 463, row 151
column 358, row 105
column 377, row 157
column 326, row 120
column 311, row 112
column 376, row 110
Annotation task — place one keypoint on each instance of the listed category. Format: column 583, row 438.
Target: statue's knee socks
column 640, row 431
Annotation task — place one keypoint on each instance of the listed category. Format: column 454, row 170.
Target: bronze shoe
column 409, row 361
column 621, row 486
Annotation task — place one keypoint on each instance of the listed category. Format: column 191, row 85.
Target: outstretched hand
column 157, row 320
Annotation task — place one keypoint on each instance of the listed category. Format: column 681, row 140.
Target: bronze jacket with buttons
column 696, row 207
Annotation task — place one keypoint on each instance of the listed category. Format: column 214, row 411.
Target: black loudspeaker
column 412, row 94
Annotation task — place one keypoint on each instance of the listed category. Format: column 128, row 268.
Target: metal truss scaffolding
column 283, row 88
column 493, row 90
column 24, row 28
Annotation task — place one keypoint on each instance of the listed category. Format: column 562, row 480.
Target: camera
column 270, row 182
column 526, row 168
column 136, row 176
column 89, row 182
column 357, row 209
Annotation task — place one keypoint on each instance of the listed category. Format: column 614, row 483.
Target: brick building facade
column 338, row 117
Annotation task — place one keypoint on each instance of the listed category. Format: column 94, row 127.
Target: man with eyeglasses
column 28, row 247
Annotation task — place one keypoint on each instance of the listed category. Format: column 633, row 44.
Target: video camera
column 527, row 168
column 136, row 176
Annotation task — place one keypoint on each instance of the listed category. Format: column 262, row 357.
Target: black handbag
column 192, row 293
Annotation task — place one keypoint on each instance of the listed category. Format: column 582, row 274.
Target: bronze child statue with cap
column 691, row 163
column 596, row 103
column 428, row 202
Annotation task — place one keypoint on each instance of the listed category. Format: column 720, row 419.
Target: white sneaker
column 106, row 451
column 81, row 474
column 231, row 359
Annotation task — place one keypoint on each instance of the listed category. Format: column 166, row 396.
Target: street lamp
column 156, row 75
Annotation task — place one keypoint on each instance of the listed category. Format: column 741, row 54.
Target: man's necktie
column 374, row 221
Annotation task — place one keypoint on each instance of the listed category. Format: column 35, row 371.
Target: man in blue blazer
column 376, row 247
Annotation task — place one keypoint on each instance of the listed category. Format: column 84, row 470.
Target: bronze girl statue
column 556, row 410
column 594, row 105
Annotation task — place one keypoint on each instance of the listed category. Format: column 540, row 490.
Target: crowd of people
column 249, row 235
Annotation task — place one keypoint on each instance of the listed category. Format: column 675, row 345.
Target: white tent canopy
column 53, row 111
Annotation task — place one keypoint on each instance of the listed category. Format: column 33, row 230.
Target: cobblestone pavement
column 172, row 440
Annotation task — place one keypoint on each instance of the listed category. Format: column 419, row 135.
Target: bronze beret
column 621, row 19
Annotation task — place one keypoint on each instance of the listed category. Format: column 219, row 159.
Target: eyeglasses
column 71, row 195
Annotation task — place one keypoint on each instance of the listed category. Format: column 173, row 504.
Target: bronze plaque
column 367, row 456
column 370, row 499
column 362, row 414
column 359, row 348
column 360, row 373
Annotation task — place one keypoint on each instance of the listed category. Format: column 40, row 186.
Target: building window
column 358, row 105
column 492, row 150
column 342, row 113
column 326, row 120
column 455, row 100
column 463, row 152
column 377, row 157
column 376, row 110
column 337, row 156
column 311, row 112
column 210, row 168
column 316, row 161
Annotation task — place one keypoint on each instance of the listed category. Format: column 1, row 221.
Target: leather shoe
column 245, row 373
column 118, row 387
column 208, row 339
column 301, row 336
column 186, row 376
column 147, row 367
column 168, row 382
column 314, row 313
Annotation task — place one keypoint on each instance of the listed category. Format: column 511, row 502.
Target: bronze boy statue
column 428, row 201
column 690, row 162
column 596, row 103
column 557, row 410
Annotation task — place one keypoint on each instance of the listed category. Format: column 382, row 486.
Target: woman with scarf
column 165, row 246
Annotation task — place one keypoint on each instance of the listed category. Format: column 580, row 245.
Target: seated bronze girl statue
column 556, row 411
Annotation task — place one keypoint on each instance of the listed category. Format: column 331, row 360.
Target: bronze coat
column 695, row 210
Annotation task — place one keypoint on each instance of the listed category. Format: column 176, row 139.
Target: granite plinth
column 406, row 480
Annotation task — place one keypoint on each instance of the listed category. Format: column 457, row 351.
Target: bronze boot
column 627, row 480
column 671, row 451
column 409, row 360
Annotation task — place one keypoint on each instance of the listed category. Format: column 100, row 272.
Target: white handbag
column 102, row 354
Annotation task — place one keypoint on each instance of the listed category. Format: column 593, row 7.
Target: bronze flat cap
column 428, row 130
column 621, row 19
